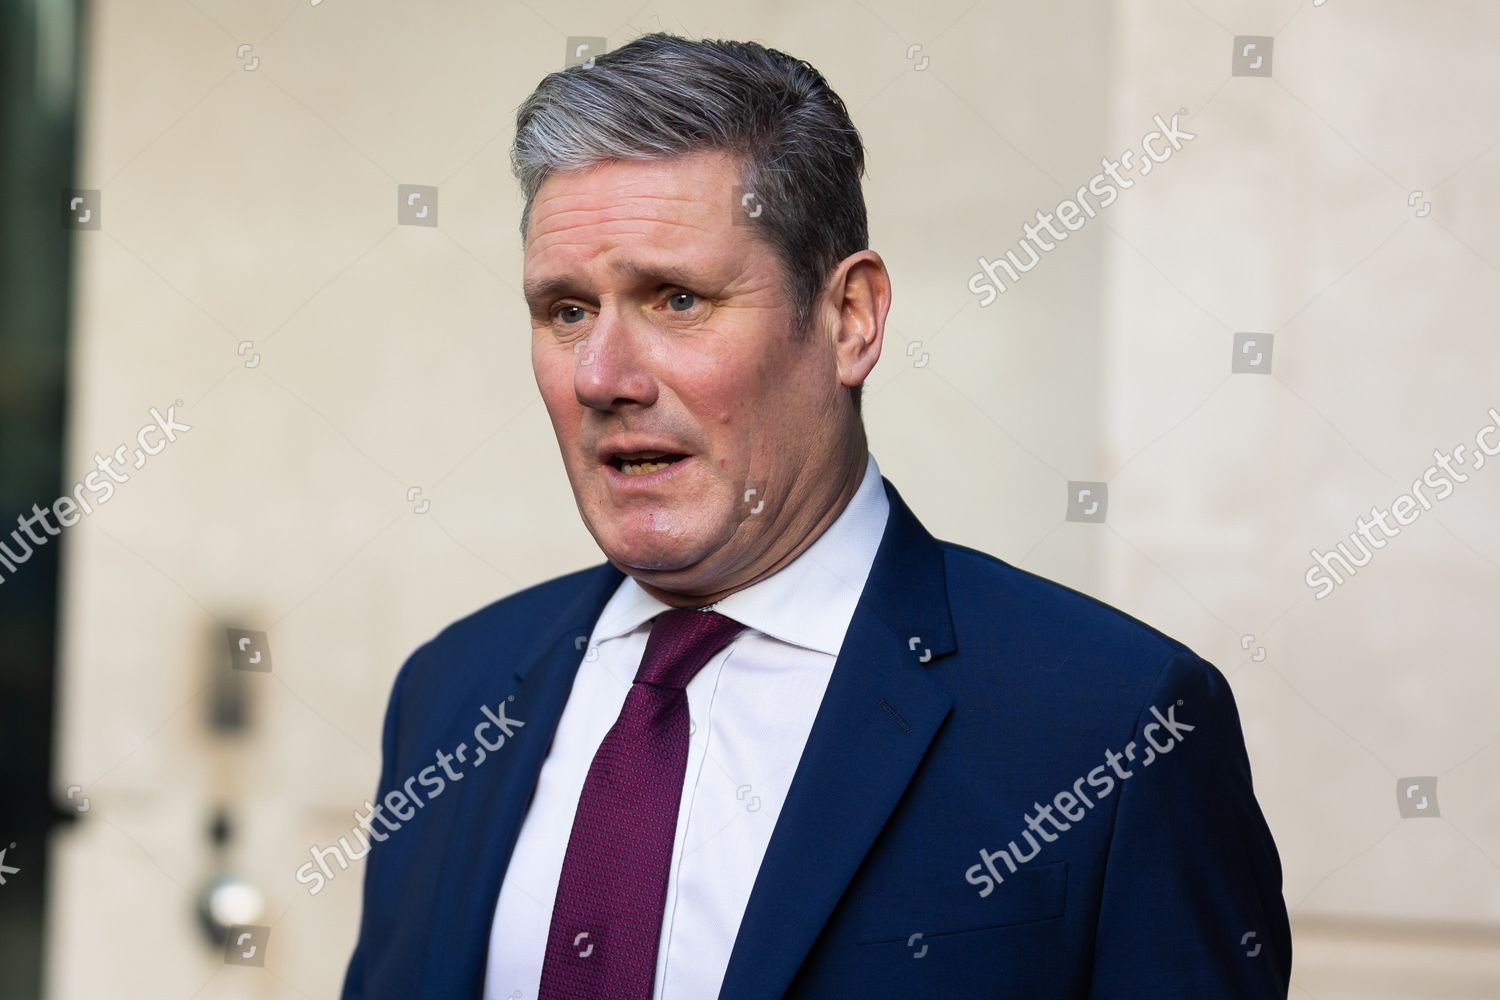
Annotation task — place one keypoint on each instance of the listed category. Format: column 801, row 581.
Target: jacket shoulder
column 1051, row 625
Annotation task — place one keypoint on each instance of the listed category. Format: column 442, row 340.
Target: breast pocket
column 954, row 906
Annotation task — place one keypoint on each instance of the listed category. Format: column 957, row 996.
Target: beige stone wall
column 259, row 205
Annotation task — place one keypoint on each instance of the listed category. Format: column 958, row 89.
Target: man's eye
column 563, row 310
column 675, row 299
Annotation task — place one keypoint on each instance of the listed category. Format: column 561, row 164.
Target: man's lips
column 629, row 477
column 634, row 459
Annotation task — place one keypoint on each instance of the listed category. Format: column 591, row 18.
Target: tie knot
column 682, row 640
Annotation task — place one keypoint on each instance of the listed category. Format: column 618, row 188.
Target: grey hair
column 662, row 96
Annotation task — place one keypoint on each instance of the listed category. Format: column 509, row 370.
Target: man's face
column 660, row 329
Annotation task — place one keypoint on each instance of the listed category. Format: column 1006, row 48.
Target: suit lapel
column 493, row 798
column 878, row 715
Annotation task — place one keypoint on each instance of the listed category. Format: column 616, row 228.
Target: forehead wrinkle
column 617, row 234
column 618, row 183
column 613, row 222
column 616, row 215
column 620, row 196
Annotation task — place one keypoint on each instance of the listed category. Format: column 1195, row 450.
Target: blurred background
column 291, row 227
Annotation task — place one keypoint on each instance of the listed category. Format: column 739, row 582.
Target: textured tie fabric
column 606, row 921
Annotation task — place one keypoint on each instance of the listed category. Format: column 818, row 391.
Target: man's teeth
column 641, row 468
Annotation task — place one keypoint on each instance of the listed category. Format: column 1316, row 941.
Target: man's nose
column 611, row 369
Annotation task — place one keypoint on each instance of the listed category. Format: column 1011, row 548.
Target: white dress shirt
column 752, row 707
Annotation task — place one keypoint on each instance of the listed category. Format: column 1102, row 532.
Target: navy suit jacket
column 967, row 695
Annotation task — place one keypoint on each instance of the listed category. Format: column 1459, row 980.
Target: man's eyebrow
column 664, row 274
column 537, row 290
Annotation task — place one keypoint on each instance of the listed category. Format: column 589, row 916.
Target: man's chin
column 653, row 560
column 657, row 558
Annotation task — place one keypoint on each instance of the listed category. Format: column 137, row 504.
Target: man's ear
column 860, row 296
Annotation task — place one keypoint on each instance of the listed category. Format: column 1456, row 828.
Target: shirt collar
column 808, row 602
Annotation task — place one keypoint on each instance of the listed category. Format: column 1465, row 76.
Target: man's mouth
column 643, row 463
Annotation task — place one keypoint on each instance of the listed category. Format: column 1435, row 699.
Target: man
column 783, row 742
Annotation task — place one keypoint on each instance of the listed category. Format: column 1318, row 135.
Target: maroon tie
column 606, row 921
